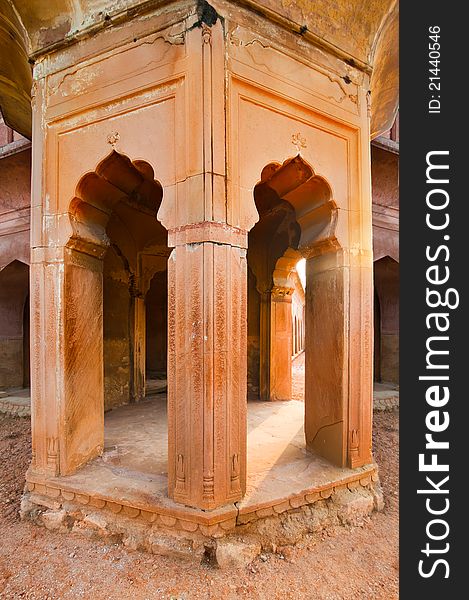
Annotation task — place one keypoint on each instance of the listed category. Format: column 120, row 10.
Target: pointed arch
column 309, row 195
column 14, row 313
column 117, row 184
column 115, row 245
column 297, row 213
column 386, row 280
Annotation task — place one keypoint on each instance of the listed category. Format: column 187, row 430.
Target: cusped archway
column 115, row 248
column 116, row 188
column 297, row 216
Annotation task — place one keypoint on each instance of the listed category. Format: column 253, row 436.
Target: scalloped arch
column 115, row 180
column 309, row 194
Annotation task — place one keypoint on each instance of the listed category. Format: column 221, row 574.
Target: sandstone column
column 138, row 341
column 281, row 343
column 67, row 381
column 265, row 318
column 275, row 341
column 207, row 300
column 338, row 354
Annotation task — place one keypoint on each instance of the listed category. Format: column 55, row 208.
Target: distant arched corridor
column 386, row 321
column 14, row 326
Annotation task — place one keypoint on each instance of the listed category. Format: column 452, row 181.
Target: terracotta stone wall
column 386, row 272
column 15, row 200
column 14, row 334
column 390, row 357
column 385, row 186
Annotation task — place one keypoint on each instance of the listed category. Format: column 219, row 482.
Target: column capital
column 327, row 246
column 332, row 256
column 208, row 231
column 282, row 294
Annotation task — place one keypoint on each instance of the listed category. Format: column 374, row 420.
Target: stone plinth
column 123, row 494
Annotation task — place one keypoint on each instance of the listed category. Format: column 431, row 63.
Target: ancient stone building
column 15, row 203
column 185, row 157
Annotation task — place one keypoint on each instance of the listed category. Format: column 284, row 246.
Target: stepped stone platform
column 16, row 402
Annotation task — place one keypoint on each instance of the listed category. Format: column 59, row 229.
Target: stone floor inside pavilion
column 133, row 467
column 131, row 476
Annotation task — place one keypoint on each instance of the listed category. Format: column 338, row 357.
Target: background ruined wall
column 15, row 200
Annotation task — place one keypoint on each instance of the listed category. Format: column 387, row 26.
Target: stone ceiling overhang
column 15, row 71
column 385, row 75
column 363, row 33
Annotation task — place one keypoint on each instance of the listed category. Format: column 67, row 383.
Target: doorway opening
column 296, row 212
column 14, row 329
column 114, row 218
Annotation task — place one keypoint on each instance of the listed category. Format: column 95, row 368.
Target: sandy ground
column 344, row 564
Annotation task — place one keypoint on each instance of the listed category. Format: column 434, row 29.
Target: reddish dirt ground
column 340, row 564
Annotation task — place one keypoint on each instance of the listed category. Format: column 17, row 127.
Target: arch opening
column 14, row 326
column 386, row 321
column 297, row 222
column 296, row 214
column 118, row 249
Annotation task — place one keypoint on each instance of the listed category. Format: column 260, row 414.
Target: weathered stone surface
column 55, row 520
column 386, row 400
column 378, row 496
column 29, row 509
column 354, row 506
column 343, row 506
column 179, row 547
column 127, row 227
column 223, row 546
column 97, row 521
column 235, row 553
column 386, row 278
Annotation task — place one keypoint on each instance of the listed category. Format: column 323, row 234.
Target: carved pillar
column 265, row 319
column 280, row 343
column 67, row 384
column 276, row 329
column 138, row 342
column 338, row 354
column 207, row 307
column 275, row 344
